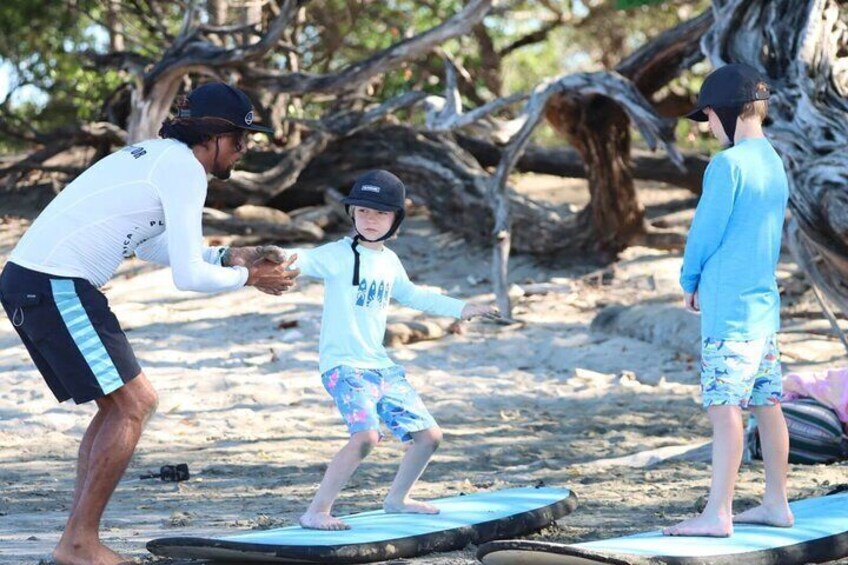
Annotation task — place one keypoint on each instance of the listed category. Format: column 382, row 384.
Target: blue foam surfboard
column 377, row 536
column 820, row 534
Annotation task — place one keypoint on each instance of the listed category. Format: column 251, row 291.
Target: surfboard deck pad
column 820, row 534
column 377, row 536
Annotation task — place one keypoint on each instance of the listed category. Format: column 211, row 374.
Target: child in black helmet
column 360, row 276
column 728, row 277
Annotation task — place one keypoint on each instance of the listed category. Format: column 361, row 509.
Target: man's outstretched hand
column 247, row 256
column 269, row 268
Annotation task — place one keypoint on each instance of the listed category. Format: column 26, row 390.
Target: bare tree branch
column 490, row 59
column 537, row 36
column 363, row 71
column 566, row 162
column 656, row 63
column 580, row 85
column 272, row 182
column 94, row 134
column 187, row 52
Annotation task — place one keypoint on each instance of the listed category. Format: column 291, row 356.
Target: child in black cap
column 728, row 276
column 361, row 275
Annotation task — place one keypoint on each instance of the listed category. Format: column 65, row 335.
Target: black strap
column 727, row 117
column 398, row 219
column 355, row 260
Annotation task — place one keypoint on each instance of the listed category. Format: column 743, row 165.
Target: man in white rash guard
column 144, row 200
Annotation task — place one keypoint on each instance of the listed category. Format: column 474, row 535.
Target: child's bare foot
column 702, row 525
column 409, row 506
column 76, row 554
column 321, row 521
column 778, row 516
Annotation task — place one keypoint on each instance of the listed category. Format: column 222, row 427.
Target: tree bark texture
column 448, row 180
column 598, row 128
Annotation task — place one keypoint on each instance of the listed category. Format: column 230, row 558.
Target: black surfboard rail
column 515, row 552
column 812, row 550
column 221, row 550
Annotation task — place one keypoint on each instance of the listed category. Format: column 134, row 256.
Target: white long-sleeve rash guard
column 121, row 206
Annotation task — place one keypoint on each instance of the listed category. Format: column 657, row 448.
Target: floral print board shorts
column 365, row 397
column 741, row 373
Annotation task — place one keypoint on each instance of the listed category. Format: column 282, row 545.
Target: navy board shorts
column 71, row 334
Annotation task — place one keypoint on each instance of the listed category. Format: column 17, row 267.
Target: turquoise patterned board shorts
column 365, row 397
column 741, row 373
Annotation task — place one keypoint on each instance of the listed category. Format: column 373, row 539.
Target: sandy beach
column 552, row 399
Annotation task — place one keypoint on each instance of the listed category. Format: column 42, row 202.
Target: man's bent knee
column 137, row 399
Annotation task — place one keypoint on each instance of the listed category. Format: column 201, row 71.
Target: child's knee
column 365, row 441
column 431, row 438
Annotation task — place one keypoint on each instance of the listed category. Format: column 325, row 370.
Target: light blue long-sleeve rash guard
column 734, row 242
column 353, row 323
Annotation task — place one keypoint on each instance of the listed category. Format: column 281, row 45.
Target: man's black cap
column 224, row 102
column 728, row 86
column 377, row 189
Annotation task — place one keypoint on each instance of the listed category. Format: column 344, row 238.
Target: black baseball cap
column 224, row 102
column 728, row 86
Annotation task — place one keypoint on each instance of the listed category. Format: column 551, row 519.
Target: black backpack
column 816, row 434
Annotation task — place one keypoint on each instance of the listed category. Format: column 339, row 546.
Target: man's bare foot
column 77, row 554
column 705, row 526
column 321, row 521
column 779, row 517
column 409, row 506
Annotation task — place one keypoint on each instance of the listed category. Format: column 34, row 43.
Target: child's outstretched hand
column 474, row 310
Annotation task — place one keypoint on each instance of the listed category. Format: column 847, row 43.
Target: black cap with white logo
column 223, row 102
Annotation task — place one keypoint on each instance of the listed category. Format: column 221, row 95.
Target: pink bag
column 829, row 388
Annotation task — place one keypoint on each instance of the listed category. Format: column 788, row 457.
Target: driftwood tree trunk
column 609, row 86
column 151, row 107
column 440, row 174
column 599, row 130
column 567, row 162
column 595, row 120
column 449, row 180
column 801, row 46
column 153, row 97
column 592, row 111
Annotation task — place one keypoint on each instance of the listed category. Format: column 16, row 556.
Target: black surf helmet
column 380, row 190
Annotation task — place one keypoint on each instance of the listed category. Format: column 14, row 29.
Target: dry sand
column 241, row 402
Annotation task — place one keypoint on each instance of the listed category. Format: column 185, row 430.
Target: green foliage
column 47, row 43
